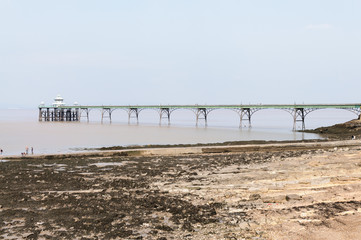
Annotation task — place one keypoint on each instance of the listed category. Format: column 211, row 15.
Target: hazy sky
column 179, row 52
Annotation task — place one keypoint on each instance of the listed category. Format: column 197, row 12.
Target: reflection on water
column 20, row 128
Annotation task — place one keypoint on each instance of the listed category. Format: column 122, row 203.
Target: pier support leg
column 62, row 114
column 68, row 115
column 77, row 116
column 245, row 114
column 299, row 116
column 86, row 110
column 40, row 114
column 47, row 117
column 133, row 113
column 107, row 111
column 201, row 113
column 56, row 115
column 166, row 112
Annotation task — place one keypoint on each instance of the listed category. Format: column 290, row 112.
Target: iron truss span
column 77, row 112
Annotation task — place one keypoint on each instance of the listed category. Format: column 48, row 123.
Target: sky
column 123, row 52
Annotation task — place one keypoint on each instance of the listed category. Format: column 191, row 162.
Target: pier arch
column 274, row 116
column 325, row 117
column 119, row 115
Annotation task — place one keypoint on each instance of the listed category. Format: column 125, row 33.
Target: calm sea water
column 20, row 128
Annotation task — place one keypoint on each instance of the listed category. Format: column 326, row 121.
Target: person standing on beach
column 27, row 150
column 1, row 151
column 32, row 151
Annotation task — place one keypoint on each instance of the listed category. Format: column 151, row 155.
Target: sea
column 21, row 129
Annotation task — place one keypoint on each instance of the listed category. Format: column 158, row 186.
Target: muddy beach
column 340, row 131
column 263, row 191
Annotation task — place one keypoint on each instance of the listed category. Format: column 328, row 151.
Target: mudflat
column 268, row 191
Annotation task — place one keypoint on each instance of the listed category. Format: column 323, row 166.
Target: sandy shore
column 179, row 150
column 296, row 190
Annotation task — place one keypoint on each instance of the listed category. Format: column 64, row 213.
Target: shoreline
column 338, row 132
column 74, row 147
column 184, row 149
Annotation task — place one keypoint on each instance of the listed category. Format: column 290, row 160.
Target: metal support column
column 77, row 116
column 47, row 114
column 40, row 114
column 68, row 114
column 133, row 113
column 109, row 111
column 166, row 112
column 299, row 116
column 62, row 114
column 81, row 110
column 201, row 113
column 56, row 115
column 245, row 114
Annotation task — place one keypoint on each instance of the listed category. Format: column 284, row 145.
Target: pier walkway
column 77, row 112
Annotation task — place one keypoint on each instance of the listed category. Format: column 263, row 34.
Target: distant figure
column 32, row 151
column 1, row 152
column 353, row 137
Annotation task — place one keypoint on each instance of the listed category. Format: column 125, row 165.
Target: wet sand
column 254, row 191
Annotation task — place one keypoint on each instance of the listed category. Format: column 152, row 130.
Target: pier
column 62, row 112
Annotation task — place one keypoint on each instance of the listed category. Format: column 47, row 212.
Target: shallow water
column 20, row 129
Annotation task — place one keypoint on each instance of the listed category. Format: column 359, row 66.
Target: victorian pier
column 59, row 111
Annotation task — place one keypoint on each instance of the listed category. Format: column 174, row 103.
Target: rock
column 254, row 197
column 294, row 197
